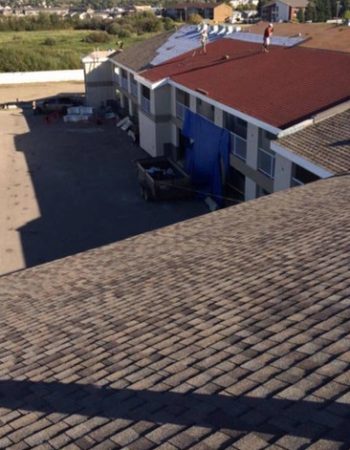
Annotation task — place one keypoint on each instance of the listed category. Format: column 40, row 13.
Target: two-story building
column 262, row 100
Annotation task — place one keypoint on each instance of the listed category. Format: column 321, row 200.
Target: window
column 124, row 79
column 182, row 102
column 302, row 176
column 265, row 139
column 236, row 125
column 238, row 128
column 133, row 85
column 205, row 109
column 266, row 162
column 146, row 99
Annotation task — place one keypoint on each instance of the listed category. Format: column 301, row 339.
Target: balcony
column 145, row 104
column 238, row 146
column 180, row 110
column 133, row 89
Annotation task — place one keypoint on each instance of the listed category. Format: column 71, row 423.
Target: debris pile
column 78, row 114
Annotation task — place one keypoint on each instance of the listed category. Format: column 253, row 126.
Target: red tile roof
column 280, row 88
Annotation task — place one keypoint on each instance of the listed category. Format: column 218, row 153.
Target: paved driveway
column 66, row 188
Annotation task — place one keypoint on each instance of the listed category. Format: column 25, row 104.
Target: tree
column 300, row 15
column 323, row 10
column 310, row 12
column 345, row 6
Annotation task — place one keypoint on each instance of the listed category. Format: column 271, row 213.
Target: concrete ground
column 66, row 188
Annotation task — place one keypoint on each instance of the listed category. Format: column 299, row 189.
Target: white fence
column 41, row 77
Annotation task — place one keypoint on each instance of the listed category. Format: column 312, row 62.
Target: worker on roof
column 267, row 37
column 204, row 39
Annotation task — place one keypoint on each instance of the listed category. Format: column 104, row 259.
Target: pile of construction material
column 78, row 114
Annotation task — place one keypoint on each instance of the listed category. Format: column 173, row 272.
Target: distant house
column 286, row 10
column 218, row 12
column 142, row 8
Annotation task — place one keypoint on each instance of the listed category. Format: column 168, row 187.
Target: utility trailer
column 161, row 178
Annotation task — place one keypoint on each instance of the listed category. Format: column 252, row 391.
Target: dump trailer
column 162, row 179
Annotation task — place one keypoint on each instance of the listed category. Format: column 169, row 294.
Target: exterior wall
column 163, row 136
column 276, row 12
column 193, row 103
column 161, row 104
column 41, row 77
column 283, row 173
column 250, row 189
column 148, row 139
column 283, row 11
column 99, row 82
column 222, row 12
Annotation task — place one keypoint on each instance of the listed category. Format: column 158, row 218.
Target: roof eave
column 259, row 123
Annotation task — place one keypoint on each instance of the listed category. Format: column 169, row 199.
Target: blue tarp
column 207, row 153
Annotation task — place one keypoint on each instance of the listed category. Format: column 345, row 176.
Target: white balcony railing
column 134, row 89
column 145, row 104
column 239, row 146
column 266, row 163
column 180, row 110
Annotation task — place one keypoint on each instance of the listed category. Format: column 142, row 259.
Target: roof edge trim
column 118, row 64
column 295, row 128
column 149, row 84
column 228, row 109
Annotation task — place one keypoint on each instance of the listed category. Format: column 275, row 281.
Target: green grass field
column 25, row 50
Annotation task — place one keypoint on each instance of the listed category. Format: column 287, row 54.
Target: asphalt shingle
column 226, row 331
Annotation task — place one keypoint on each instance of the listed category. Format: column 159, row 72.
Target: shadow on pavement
column 87, row 191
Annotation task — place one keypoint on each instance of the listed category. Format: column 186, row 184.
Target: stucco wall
column 147, row 134
column 283, row 11
column 221, row 12
column 41, row 77
column 283, row 173
column 162, row 100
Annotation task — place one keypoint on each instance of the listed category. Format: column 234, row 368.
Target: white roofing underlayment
column 187, row 38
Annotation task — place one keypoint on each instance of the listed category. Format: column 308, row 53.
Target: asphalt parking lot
column 66, row 188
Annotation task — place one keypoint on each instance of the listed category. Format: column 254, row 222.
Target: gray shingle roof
column 138, row 56
column 326, row 143
column 226, row 331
